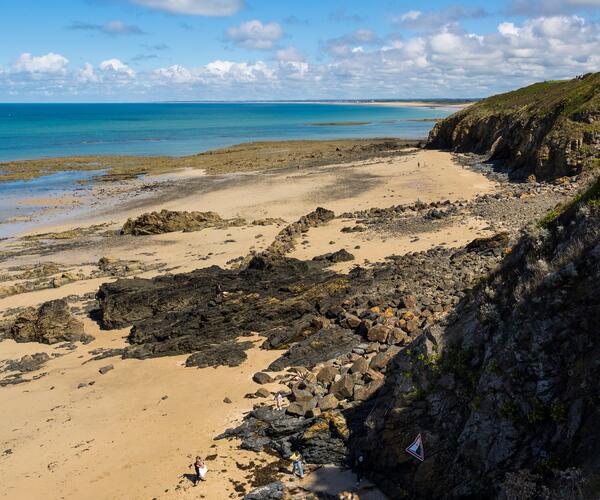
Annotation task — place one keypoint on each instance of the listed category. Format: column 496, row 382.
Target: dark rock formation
column 340, row 256
column 52, row 322
column 549, row 129
column 505, row 391
column 167, row 221
column 28, row 363
column 197, row 311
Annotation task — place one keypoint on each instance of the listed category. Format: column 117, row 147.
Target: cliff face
column 548, row 129
column 505, row 394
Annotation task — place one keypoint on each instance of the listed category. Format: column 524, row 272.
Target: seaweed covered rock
column 52, row 322
column 198, row 311
column 168, row 221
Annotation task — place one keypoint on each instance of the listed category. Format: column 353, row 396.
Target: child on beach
column 278, row 401
column 296, row 458
column 201, row 470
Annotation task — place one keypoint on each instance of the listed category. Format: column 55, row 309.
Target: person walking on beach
column 278, row 401
column 296, row 459
column 201, row 470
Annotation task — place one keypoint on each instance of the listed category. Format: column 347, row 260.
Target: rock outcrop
column 168, row 221
column 52, row 322
column 549, row 129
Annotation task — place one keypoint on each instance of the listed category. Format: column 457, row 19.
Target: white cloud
column 175, row 74
column 417, row 20
column 446, row 62
column 194, row 7
column 411, row 15
column 87, row 74
column 290, row 54
column 118, row 67
column 49, row 63
column 255, row 35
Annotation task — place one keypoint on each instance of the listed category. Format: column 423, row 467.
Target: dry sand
column 119, row 438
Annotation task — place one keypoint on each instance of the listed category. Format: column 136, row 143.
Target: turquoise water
column 30, row 131
column 14, row 194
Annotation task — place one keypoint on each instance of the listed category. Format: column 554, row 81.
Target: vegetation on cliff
column 548, row 129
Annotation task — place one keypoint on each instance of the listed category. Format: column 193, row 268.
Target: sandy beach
column 131, row 433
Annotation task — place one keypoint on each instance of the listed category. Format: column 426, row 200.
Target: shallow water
column 21, row 199
column 41, row 130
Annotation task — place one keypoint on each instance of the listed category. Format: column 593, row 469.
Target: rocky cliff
column 548, row 129
column 504, row 393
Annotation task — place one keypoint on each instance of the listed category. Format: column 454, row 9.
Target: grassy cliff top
column 568, row 97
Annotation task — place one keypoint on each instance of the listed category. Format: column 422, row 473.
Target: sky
column 153, row 50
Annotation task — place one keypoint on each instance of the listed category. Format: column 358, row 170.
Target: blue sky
column 140, row 50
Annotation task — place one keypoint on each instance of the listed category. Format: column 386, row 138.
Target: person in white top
column 201, row 470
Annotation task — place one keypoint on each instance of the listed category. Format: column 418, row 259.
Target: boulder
column 365, row 392
column 398, row 336
column 361, row 365
column 329, row 402
column 167, row 221
column 262, row 378
column 272, row 491
column 326, row 375
column 380, row 360
column 28, row 363
column 52, row 322
column 378, row 333
column 343, row 388
column 263, row 393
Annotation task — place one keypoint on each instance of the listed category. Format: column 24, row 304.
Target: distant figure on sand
column 201, row 470
column 278, row 401
column 359, row 464
column 296, row 458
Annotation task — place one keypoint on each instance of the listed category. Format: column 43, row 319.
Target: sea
column 37, row 131
column 30, row 131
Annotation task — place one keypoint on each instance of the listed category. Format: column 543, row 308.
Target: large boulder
column 343, row 388
column 51, row 323
column 168, row 221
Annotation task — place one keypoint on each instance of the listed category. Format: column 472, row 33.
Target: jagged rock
column 366, row 392
column 378, row 333
column 272, row 491
column 328, row 402
column 499, row 240
column 175, row 314
column 327, row 374
column 340, row 256
column 262, row 378
column 301, row 408
column 323, row 346
column 52, row 322
column 28, row 363
column 361, row 365
column 226, row 354
column 398, row 336
column 343, row 388
column 167, row 221
column 381, row 359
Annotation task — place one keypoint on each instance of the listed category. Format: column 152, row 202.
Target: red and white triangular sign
column 416, row 449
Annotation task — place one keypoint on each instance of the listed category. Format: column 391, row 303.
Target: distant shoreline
column 440, row 103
